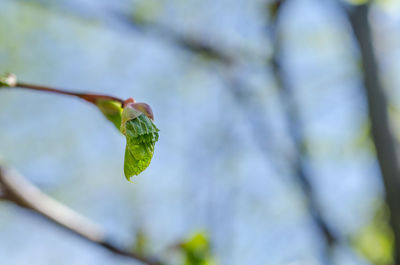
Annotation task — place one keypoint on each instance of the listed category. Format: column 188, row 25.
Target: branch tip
column 8, row 80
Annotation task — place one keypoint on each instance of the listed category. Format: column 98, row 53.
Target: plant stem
column 17, row 189
column 89, row 97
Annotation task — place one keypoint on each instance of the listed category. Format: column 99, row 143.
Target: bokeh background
column 229, row 139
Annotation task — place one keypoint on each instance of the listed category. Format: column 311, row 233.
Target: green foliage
column 197, row 250
column 141, row 243
column 146, row 11
column 375, row 240
column 141, row 136
column 3, row 82
column 112, row 110
column 141, row 133
column 358, row 2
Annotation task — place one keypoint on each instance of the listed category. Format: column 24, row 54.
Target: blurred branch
column 259, row 125
column 15, row 188
column 296, row 132
column 385, row 143
column 189, row 43
column 192, row 44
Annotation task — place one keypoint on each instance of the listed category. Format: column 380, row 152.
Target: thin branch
column 296, row 132
column 385, row 143
column 10, row 81
column 21, row 192
column 192, row 44
column 90, row 97
column 259, row 124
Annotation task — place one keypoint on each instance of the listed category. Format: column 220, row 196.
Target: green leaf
column 375, row 241
column 141, row 136
column 112, row 110
column 197, row 250
column 141, row 243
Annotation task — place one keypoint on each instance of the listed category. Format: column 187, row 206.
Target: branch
column 10, row 80
column 90, row 97
column 385, row 143
column 296, row 132
column 192, row 44
column 15, row 188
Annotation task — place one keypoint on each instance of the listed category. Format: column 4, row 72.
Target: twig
column 382, row 134
column 127, row 20
column 296, row 132
column 15, row 188
column 10, row 81
column 90, row 97
column 192, row 44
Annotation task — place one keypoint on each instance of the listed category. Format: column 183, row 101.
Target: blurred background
column 265, row 139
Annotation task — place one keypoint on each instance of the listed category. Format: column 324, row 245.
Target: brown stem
column 90, row 97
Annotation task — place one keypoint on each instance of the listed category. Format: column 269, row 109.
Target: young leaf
column 197, row 250
column 112, row 110
column 141, row 136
